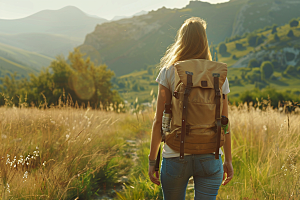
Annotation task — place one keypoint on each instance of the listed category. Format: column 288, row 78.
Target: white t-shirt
column 166, row 77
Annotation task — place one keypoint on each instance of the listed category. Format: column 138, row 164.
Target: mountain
column 131, row 44
column 13, row 59
column 123, row 17
column 68, row 21
column 46, row 44
column 260, row 13
column 49, row 32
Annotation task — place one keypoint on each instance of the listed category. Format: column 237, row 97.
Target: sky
column 14, row 9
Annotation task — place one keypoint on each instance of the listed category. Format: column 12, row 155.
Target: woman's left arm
column 164, row 96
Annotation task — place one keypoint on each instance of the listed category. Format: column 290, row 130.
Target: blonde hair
column 191, row 43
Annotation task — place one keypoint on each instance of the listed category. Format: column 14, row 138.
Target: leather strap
column 218, row 114
column 184, row 112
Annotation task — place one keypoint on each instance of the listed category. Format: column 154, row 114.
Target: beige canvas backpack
column 196, row 107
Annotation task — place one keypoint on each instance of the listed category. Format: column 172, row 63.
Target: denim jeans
column 206, row 171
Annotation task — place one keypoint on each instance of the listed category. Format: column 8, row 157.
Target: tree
column 266, row 69
column 274, row 29
column 252, row 39
column 290, row 33
column 259, row 40
column 239, row 46
column 222, row 48
column 276, row 38
column 77, row 80
column 253, row 63
column 294, row 23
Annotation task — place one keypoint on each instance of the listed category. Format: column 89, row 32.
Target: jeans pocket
column 175, row 167
column 211, row 166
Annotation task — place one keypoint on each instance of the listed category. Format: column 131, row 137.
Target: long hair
column 191, row 43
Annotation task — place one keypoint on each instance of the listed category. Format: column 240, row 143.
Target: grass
column 63, row 153
column 69, row 153
column 265, row 146
column 14, row 59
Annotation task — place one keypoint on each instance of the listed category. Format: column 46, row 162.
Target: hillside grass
column 282, row 32
column 21, row 61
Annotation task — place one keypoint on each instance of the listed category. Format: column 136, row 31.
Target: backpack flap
column 202, row 70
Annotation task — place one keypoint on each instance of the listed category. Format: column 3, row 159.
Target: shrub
column 234, row 57
column 253, row 63
column 254, row 76
column 268, row 93
column 222, row 48
column 290, row 33
column 294, row 23
column 259, row 40
column 239, row 46
column 266, row 69
column 276, row 38
column 274, row 29
column 252, row 39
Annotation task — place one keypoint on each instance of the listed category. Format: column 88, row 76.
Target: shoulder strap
column 184, row 111
column 218, row 115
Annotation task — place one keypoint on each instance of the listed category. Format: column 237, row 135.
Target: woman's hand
column 151, row 172
column 228, row 169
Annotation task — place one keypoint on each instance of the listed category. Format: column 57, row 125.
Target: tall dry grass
column 68, row 153
column 265, row 149
column 62, row 153
column 266, row 159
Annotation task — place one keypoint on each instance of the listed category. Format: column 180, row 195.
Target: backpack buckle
column 176, row 94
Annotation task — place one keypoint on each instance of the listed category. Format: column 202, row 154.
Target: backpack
column 196, row 107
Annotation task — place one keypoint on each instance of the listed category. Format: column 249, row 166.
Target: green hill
column 282, row 53
column 132, row 44
column 13, row 59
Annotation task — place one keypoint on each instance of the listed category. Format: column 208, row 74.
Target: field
column 77, row 153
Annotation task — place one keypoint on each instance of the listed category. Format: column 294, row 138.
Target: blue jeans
column 206, row 171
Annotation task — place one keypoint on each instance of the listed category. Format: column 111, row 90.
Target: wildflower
column 265, row 127
column 25, row 175
column 7, row 188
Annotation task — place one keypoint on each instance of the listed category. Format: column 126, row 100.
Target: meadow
column 80, row 153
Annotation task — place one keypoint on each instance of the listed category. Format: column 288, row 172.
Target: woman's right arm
column 164, row 96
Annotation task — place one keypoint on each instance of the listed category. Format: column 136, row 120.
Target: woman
column 191, row 43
